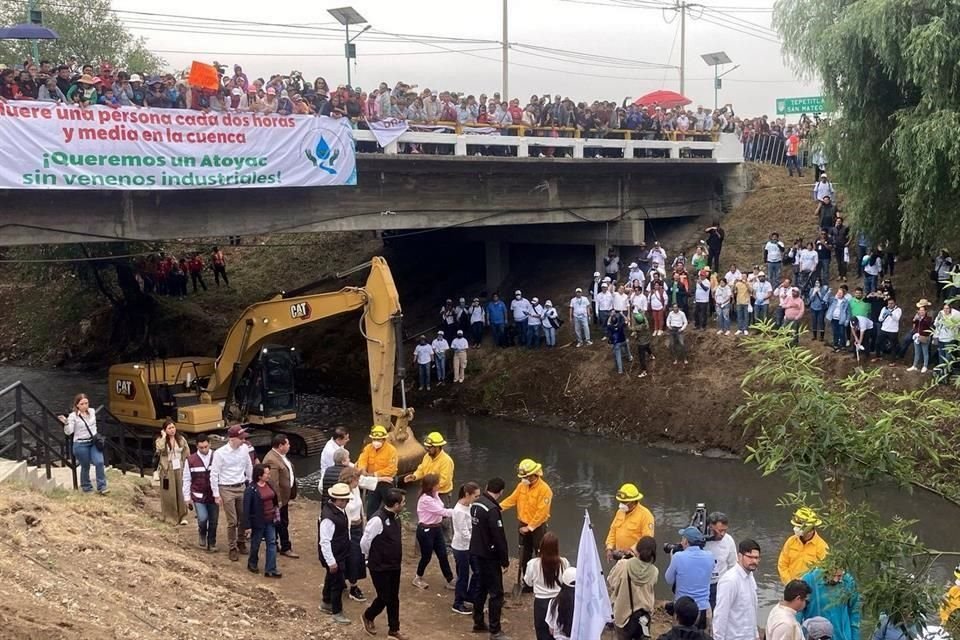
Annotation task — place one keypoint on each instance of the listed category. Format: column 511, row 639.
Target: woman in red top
column 920, row 336
column 261, row 512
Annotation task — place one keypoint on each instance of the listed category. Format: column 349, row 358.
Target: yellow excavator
column 252, row 382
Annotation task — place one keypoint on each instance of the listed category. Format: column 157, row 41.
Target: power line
column 316, row 55
column 741, row 21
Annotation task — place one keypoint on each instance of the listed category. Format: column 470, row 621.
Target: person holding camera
column 632, row 522
column 690, row 570
column 82, row 425
column 172, row 451
column 723, row 548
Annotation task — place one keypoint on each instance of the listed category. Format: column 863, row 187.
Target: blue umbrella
column 28, row 32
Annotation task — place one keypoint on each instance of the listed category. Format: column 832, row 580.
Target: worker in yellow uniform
column 439, row 462
column 532, row 498
column 951, row 601
column 378, row 458
column 632, row 522
column 804, row 548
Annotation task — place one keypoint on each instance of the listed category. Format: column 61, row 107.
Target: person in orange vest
column 804, row 549
column 378, row 458
column 632, row 522
column 951, row 600
column 196, row 271
column 532, row 498
column 219, row 267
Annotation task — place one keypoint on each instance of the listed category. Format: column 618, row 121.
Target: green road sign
column 812, row 104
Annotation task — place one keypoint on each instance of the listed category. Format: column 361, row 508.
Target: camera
column 620, row 555
column 698, row 520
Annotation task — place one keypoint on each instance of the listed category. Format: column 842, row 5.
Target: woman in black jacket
column 261, row 512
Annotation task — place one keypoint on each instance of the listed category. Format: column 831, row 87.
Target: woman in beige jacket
column 172, row 450
column 633, row 579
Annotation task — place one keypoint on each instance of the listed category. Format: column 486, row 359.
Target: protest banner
column 49, row 146
column 204, row 76
column 388, row 130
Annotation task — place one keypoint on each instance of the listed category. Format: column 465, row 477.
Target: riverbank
column 77, row 566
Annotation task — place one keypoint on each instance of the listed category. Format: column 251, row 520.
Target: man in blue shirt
column 497, row 319
column 690, row 571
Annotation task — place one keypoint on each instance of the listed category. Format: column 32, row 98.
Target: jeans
column 773, row 272
column 87, row 454
column 723, row 317
column 533, row 335
column 540, row 626
column 550, row 336
column 220, row 271
column 618, row 355
column 778, row 317
column 267, row 534
column 581, row 327
column 440, row 360
column 424, row 370
column 841, row 265
column 792, row 165
column 387, row 586
column 944, row 353
column 760, row 310
column 869, row 283
column 430, row 540
column 466, row 583
column 499, row 330
column 819, row 316
column 207, row 517
column 824, row 267
column 743, row 317
column 521, row 326
column 714, row 260
column 476, row 331
column 924, row 348
column 839, row 333
column 603, row 316
column 700, row 312
column 677, row 344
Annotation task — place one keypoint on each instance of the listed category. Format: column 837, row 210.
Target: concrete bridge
column 572, row 200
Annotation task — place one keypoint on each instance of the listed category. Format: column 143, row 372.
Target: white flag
column 592, row 609
column 388, row 130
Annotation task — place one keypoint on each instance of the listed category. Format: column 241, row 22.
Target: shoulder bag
column 98, row 440
column 638, row 624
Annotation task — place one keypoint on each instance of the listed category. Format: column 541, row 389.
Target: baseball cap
column 236, row 431
column 692, row 534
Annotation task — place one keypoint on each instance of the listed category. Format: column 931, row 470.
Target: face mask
column 623, row 507
column 797, row 531
column 526, row 481
column 957, row 582
column 377, row 444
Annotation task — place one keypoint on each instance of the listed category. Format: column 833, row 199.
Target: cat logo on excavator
column 125, row 388
column 300, row 310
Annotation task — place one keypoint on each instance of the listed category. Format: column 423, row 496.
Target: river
column 585, row 473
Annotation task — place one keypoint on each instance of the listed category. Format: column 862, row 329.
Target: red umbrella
column 664, row 98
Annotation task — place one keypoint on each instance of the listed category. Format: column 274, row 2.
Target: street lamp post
column 348, row 16
column 715, row 60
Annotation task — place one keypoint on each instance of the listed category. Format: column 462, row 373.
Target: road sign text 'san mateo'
column 812, row 104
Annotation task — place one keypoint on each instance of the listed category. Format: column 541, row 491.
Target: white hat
column 237, row 91
column 339, row 491
column 606, row 279
column 633, row 265
column 603, row 285
column 439, row 333
column 136, row 78
column 459, row 332
column 535, row 300
column 596, row 274
column 548, row 304
column 569, row 576
column 578, row 290
column 517, row 293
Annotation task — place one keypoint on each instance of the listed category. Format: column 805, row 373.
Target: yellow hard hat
column 806, row 517
column 629, row 493
column 528, row 467
column 378, row 432
column 434, row 440
column 956, row 572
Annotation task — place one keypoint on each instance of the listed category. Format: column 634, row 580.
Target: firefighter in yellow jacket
column 951, row 601
column 438, row 462
column 804, row 549
column 379, row 459
column 632, row 522
column 532, row 498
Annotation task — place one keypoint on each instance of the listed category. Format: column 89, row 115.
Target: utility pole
column 347, row 52
column 31, row 20
column 683, row 43
column 505, row 55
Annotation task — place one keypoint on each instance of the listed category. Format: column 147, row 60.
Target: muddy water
column 585, row 473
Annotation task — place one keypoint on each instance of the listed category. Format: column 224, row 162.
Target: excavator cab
column 265, row 392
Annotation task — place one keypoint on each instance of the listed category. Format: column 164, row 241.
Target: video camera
column 699, row 521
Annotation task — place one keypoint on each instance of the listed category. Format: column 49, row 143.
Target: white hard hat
column 633, row 265
column 606, row 278
column 596, row 274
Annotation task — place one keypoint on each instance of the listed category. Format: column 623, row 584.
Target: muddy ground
column 76, row 567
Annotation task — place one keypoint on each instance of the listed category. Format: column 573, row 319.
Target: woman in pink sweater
column 430, row 515
column 793, row 309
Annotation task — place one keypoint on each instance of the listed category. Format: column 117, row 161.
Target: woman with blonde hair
column 172, row 451
column 82, row 425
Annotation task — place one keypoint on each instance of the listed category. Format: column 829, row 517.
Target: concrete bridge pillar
column 497, row 255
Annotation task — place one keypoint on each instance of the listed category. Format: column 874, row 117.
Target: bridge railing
column 726, row 148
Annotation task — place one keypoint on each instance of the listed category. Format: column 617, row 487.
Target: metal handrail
column 125, row 431
column 44, row 442
column 18, row 428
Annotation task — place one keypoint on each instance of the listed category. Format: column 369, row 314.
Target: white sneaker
column 924, row 370
column 579, row 344
column 589, row 342
column 719, row 332
column 912, row 369
column 419, row 583
column 728, row 332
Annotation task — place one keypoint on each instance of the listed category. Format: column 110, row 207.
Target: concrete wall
column 394, row 193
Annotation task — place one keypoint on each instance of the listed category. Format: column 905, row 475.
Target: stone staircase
column 36, row 477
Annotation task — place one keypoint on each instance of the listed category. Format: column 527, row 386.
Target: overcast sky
column 597, row 27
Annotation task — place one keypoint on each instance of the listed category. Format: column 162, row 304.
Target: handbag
column 99, row 441
column 638, row 624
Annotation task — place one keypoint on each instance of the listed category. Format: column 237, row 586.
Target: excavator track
column 304, row 440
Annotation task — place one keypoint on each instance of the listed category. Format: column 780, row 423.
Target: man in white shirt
column 781, row 293
column 604, row 305
column 337, row 441
column 762, row 292
column 230, row 472
column 636, row 273
column 889, row 329
column 477, row 320
column 701, row 300
column 773, row 256
column 580, row 317
column 735, row 616
column 423, row 356
column 459, row 347
column 440, row 347
column 593, row 291
column 676, row 325
column 860, row 326
column 520, row 310
column 782, row 622
column 723, row 548
column 658, row 258
column 733, row 274
column 534, row 322
column 823, row 188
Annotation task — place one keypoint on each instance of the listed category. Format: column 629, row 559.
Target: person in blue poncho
column 834, row 596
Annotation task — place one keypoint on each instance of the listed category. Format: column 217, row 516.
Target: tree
column 888, row 66
column 834, row 440
column 87, row 30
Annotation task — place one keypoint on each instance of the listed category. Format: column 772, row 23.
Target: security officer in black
column 489, row 545
column 382, row 545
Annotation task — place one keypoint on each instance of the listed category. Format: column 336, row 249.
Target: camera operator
column 723, row 548
column 690, row 570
